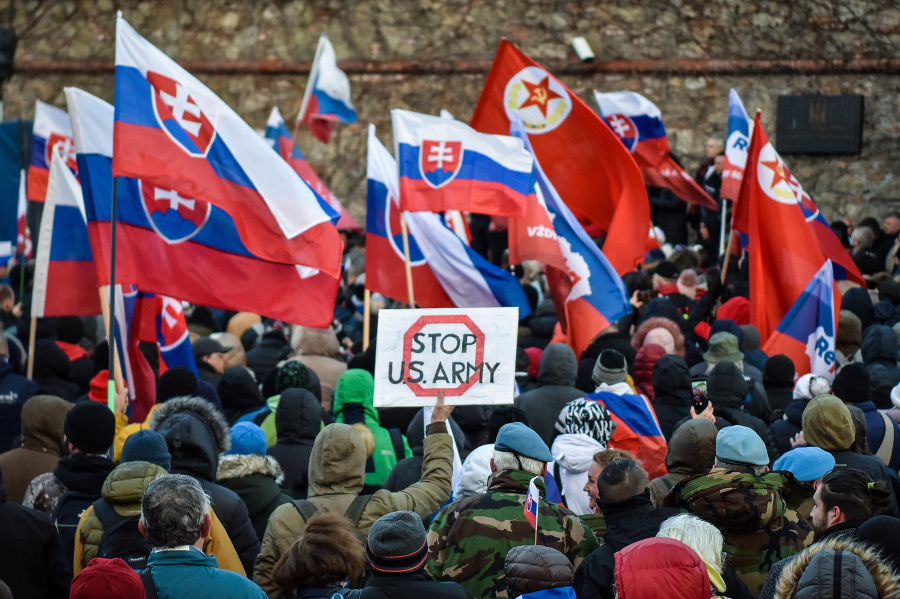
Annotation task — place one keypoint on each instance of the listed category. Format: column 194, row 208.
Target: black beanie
column 851, row 384
column 778, row 373
column 90, row 427
column 397, row 543
column 69, row 329
column 238, row 388
column 176, row 382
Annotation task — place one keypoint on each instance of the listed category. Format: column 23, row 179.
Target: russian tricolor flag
column 806, row 334
column 326, row 99
column 277, row 133
column 447, row 165
column 174, row 133
column 65, row 281
column 181, row 246
column 739, row 129
column 51, row 133
column 637, row 429
column 638, row 123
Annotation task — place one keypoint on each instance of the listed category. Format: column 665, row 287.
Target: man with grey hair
column 469, row 538
column 175, row 519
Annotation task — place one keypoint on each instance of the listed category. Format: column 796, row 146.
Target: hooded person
column 69, row 334
column 644, row 361
column 319, row 350
column 298, row 419
column 848, row 339
column 724, row 346
column 555, row 388
column 660, row 567
column 672, row 386
column 337, row 469
column 859, row 302
column 692, row 450
column 253, row 475
column 852, row 385
column 661, row 331
column 354, row 399
column 53, row 370
column 290, row 375
column 791, row 422
column 197, row 434
column 728, row 392
column 145, row 457
column 268, row 351
column 879, row 352
column 586, row 429
column 778, row 381
column 883, row 534
column 239, row 393
column 408, row 470
column 533, row 569
column 43, row 444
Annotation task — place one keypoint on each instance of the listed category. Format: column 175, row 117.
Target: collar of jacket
column 613, row 509
column 515, row 480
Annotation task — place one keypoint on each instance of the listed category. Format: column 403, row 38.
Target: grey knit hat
column 610, row 368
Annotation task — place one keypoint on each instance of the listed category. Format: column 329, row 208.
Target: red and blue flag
column 174, row 133
column 326, row 99
column 638, row 123
column 739, row 126
column 637, row 429
column 806, row 334
column 181, row 246
column 51, row 133
column 446, row 165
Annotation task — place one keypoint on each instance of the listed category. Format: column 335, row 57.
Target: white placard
column 469, row 353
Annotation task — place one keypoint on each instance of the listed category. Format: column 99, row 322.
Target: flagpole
column 727, row 257
column 31, row 333
column 367, row 318
column 409, row 281
column 110, row 323
column 722, row 226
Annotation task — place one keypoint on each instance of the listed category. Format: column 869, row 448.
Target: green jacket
column 336, row 472
column 354, row 398
column 757, row 515
column 469, row 539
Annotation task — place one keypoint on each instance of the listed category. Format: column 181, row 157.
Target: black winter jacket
column 298, row 419
column 556, row 380
column 728, row 391
column 673, row 396
column 879, row 354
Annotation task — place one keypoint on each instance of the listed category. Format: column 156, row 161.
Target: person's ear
column 544, row 471
column 142, row 529
column 493, row 466
column 207, row 526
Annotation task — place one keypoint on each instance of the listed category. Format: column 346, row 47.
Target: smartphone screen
column 698, row 386
column 698, row 389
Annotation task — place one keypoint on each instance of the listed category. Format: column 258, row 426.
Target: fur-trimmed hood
column 793, row 583
column 239, row 466
column 196, row 433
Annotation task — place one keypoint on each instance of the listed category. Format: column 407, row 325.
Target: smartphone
column 698, row 391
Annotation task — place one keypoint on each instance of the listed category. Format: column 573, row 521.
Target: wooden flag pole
column 31, row 333
column 727, row 256
column 367, row 318
column 409, row 281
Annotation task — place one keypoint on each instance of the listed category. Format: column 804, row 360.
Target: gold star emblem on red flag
column 778, row 172
column 539, row 94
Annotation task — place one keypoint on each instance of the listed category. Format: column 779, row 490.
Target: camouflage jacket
column 469, row 539
column 757, row 515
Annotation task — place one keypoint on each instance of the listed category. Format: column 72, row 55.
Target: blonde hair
column 368, row 438
column 698, row 534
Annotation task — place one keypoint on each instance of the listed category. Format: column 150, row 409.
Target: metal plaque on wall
column 819, row 124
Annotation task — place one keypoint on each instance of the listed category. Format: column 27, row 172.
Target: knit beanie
column 246, row 439
column 849, row 333
column 397, row 543
column 610, row 368
column 107, row 578
column 827, row 424
column 238, row 389
column 147, row 446
column 90, row 427
column 99, row 387
column 778, row 373
column 736, row 309
column 179, row 381
column 69, row 329
column 750, row 338
column 587, row 418
column 851, row 384
column 292, row 374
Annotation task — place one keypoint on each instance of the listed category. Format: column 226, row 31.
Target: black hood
column 50, row 361
column 672, row 381
column 794, row 411
column 859, row 302
column 196, row 434
column 415, row 433
column 726, row 386
column 879, row 346
column 558, row 366
column 83, row 472
column 298, row 418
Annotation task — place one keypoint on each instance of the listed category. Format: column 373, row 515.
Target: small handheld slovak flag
column 532, row 501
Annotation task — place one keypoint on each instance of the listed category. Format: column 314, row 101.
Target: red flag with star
column 784, row 254
column 594, row 174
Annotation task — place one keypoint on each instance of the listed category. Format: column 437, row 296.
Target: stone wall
column 430, row 54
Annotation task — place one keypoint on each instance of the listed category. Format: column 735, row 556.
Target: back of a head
column 520, row 448
column 69, row 329
column 830, row 572
column 173, row 510
column 778, row 373
column 327, row 554
column 852, row 384
column 726, row 385
column 586, row 417
column 338, row 460
column 610, row 368
column 621, row 480
column 827, row 424
column 397, row 544
column 107, row 579
column 659, row 567
column 698, row 534
column 858, row 496
column 179, row 381
column 533, row 568
column 882, row 533
column 90, row 427
column 147, row 446
column 558, row 365
column 238, row 389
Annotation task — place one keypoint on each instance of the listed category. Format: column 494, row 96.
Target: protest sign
column 469, row 354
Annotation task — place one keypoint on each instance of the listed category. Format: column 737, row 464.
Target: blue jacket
column 875, row 432
column 192, row 573
column 14, row 392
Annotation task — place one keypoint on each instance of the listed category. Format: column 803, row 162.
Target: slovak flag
column 807, row 332
column 181, row 246
column 532, row 503
column 385, row 261
column 583, row 283
column 174, row 133
column 638, row 123
column 784, row 253
column 23, row 233
column 595, row 175
column 65, row 280
column 326, row 99
column 739, row 126
column 446, row 165
column 51, row 133
column 277, row 133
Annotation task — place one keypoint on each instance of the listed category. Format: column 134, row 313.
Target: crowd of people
column 672, row 457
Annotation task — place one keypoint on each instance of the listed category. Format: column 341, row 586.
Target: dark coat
column 197, row 434
column 790, row 424
column 255, row 479
column 32, row 561
column 298, row 419
column 402, row 586
column 408, row 471
column 692, row 450
column 728, row 392
column 879, row 354
column 14, row 392
column 618, row 341
column 875, row 429
column 271, row 349
column 673, row 400
column 556, row 388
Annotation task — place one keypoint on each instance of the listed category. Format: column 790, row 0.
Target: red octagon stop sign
column 473, row 378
